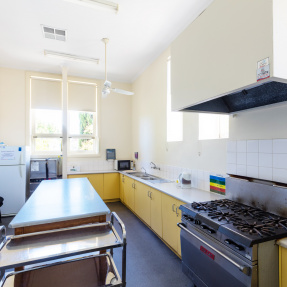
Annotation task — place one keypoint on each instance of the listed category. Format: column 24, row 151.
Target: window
column 47, row 131
column 173, row 119
column 213, row 126
column 46, row 116
column 82, row 136
column 82, row 118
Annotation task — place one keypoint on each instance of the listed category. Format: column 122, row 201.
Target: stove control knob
column 227, row 241
column 239, row 247
column 211, row 231
column 197, row 222
column 203, row 226
column 185, row 217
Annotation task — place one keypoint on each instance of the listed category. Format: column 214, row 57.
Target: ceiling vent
column 55, row 34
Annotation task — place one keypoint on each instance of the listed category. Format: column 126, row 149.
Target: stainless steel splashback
column 261, row 194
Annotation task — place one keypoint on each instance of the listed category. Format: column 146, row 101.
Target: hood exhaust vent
column 54, row 34
column 248, row 98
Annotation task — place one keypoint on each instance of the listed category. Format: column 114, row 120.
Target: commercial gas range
column 228, row 243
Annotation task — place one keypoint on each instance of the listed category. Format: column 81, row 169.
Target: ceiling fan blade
column 124, row 92
column 105, row 92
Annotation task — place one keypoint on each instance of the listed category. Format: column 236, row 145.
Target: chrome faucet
column 154, row 166
column 143, row 169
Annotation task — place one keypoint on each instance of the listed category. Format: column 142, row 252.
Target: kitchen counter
column 187, row 195
column 91, row 172
column 60, row 200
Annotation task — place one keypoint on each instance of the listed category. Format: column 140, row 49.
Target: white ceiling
column 138, row 33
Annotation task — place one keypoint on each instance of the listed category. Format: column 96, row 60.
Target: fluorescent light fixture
column 97, row 4
column 70, row 57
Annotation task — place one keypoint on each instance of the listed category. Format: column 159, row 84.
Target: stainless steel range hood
column 254, row 96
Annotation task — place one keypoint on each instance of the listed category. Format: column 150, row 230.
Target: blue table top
column 60, row 200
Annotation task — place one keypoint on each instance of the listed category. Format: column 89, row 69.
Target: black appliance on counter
column 43, row 169
column 228, row 243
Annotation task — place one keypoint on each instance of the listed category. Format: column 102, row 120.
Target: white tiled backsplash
column 200, row 178
column 263, row 159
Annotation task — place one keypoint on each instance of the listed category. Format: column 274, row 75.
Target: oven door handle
column 242, row 268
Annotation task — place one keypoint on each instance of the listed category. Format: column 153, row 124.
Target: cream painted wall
column 115, row 123
column 149, row 126
column 12, row 106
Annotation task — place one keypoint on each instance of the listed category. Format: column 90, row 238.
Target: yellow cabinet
column 111, row 186
column 96, row 180
column 171, row 215
column 282, row 266
column 129, row 193
column 142, row 202
column 148, row 206
column 106, row 185
column 122, row 187
column 155, row 211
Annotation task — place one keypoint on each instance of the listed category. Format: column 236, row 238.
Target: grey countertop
column 186, row 195
column 59, row 200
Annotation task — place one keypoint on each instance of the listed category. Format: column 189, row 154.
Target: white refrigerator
column 14, row 177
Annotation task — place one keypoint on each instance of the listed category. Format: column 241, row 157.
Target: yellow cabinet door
column 282, row 266
column 169, row 220
column 122, row 187
column 155, row 211
column 111, row 186
column 129, row 190
column 96, row 180
column 142, row 202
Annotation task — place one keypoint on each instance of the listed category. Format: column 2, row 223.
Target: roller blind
column 81, row 97
column 46, row 94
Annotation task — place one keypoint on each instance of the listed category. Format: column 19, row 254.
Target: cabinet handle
column 134, row 186
column 150, row 195
column 173, row 207
column 176, row 211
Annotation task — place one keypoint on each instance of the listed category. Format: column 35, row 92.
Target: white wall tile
column 252, row 171
column 231, row 146
column 241, row 169
column 231, row 168
column 265, row 173
column 252, row 158
column 280, row 161
column 280, row 175
column 231, row 157
column 280, row 146
column 241, row 146
column 265, row 146
column 265, row 159
column 241, row 158
column 252, row 146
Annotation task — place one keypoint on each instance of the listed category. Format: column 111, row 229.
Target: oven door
column 207, row 262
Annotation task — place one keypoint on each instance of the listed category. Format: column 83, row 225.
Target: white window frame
column 220, row 134
column 93, row 136
column 170, row 115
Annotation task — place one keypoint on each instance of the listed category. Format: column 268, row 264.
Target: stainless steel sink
column 149, row 177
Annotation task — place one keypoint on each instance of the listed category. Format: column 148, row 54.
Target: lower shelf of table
column 90, row 271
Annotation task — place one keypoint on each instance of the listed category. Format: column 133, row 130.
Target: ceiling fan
column 108, row 85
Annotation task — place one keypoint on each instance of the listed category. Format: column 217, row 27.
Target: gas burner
column 276, row 221
column 222, row 202
column 222, row 215
column 254, row 228
column 203, row 206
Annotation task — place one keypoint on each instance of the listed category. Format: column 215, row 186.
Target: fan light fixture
column 64, row 56
column 97, row 4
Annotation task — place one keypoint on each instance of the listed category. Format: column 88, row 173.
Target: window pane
column 48, row 144
column 48, row 121
column 81, row 123
column 174, row 120
column 81, row 144
column 212, row 126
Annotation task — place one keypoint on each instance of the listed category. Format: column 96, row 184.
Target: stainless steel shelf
column 34, row 248
column 63, row 273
